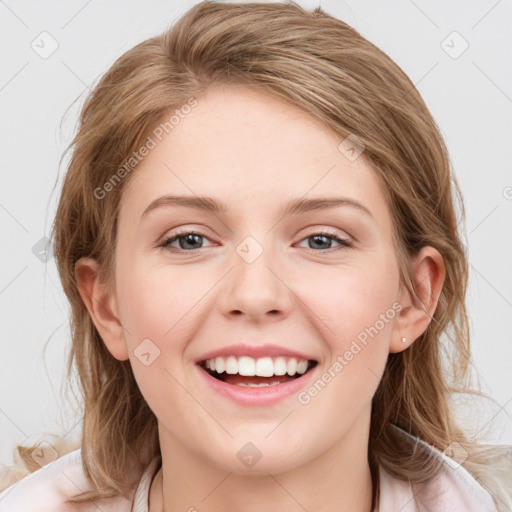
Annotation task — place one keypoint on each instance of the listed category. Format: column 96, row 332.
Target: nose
column 255, row 290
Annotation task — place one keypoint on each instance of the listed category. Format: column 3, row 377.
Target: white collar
column 453, row 489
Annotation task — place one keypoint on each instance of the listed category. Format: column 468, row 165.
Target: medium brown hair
column 326, row 68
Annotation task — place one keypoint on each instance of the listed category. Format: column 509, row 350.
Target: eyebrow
column 294, row 206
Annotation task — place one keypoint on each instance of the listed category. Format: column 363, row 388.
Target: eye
column 188, row 241
column 321, row 238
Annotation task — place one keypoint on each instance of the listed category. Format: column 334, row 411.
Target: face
column 255, row 285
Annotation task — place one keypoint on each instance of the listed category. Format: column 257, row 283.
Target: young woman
column 258, row 238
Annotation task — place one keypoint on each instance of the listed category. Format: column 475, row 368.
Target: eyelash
column 344, row 243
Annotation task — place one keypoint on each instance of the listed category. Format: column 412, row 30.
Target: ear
column 102, row 306
column 427, row 275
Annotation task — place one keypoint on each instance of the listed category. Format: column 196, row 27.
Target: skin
column 255, row 153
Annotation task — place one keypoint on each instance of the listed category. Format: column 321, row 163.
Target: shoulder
column 48, row 489
column 453, row 488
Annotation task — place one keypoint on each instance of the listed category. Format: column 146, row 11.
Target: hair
column 324, row 67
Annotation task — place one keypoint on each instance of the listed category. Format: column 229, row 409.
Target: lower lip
column 254, row 397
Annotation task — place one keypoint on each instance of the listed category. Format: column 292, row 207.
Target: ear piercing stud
column 404, row 340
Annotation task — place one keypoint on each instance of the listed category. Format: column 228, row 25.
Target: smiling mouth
column 256, row 372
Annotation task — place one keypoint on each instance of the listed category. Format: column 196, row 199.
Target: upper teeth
column 261, row 367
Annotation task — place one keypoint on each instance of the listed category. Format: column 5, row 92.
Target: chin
column 259, row 457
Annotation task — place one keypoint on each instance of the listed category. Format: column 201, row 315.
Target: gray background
column 470, row 96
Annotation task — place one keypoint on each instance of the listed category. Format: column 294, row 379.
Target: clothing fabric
column 454, row 489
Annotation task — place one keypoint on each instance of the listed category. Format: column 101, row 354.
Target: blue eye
column 317, row 239
column 189, row 241
column 185, row 238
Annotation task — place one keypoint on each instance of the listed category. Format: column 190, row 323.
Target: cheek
column 357, row 343
column 158, row 308
column 353, row 310
column 348, row 300
column 158, row 304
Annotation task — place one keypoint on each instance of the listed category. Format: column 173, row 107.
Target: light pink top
column 452, row 490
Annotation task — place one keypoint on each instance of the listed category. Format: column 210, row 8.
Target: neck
column 338, row 480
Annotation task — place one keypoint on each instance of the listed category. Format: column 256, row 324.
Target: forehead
column 247, row 148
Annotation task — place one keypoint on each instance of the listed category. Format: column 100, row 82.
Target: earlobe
column 427, row 275
column 102, row 306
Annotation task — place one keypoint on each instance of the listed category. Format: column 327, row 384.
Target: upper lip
column 254, row 351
